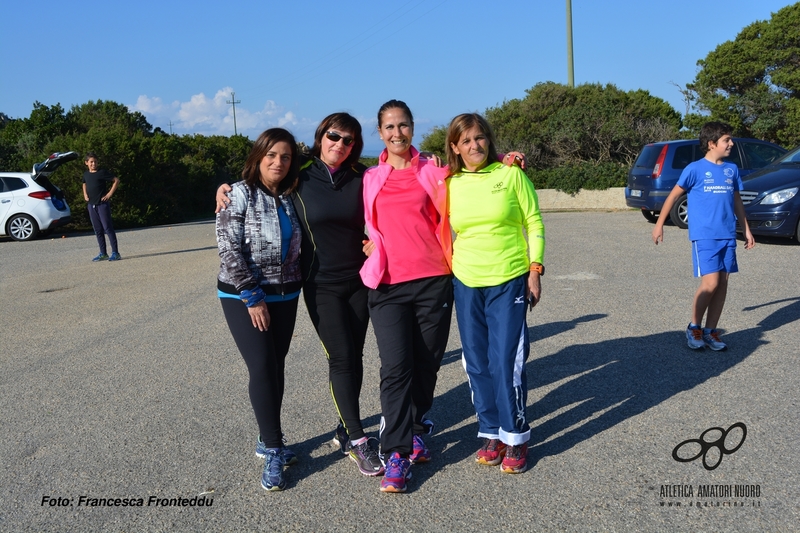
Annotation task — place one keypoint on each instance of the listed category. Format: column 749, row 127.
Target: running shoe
column 516, row 459
column 420, row 453
column 289, row 457
column 272, row 477
column 491, row 453
column 366, row 457
column 694, row 337
column 341, row 439
column 712, row 340
column 115, row 257
column 101, row 257
column 398, row 471
column 428, row 425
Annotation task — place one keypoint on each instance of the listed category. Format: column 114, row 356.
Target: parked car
column 30, row 204
column 771, row 198
column 659, row 166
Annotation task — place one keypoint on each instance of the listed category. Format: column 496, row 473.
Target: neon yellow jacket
column 488, row 211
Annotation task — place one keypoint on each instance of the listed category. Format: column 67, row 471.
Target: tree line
column 582, row 137
column 164, row 178
column 588, row 136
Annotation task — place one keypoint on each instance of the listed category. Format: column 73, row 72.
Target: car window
column 648, row 157
column 12, row 184
column 760, row 155
column 735, row 157
column 683, row 156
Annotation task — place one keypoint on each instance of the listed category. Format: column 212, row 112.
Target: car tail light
column 659, row 163
column 40, row 195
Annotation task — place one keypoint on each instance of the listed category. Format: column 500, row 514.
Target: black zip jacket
column 331, row 213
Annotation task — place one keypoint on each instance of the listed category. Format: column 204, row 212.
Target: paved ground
column 120, row 380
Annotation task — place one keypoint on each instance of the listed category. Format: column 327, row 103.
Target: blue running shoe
column 398, row 471
column 272, row 477
column 101, row 257
column 289, row 457
column 712, row 340
column 115, row 257
column 694, row 338
column 420, row 453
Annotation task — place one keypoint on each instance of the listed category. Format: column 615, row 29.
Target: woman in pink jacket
column 411, row 293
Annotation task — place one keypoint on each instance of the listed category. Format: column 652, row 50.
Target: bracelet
column 252, row 298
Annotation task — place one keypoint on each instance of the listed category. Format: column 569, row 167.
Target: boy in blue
column 714, row 207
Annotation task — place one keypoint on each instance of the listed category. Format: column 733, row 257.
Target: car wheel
column 22, row 228
column 679, row 214
column 651, row 216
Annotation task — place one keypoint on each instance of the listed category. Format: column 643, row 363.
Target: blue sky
column 291, row 63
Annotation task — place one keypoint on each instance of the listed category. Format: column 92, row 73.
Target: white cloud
column 214, row 116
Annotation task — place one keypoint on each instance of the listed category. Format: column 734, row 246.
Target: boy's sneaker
column 420, row 453
column 101, row 257
column 516, row 459
column 712, row 340
column 694, row 338
column 366, row 457
column 342, row 439
column 272, row 477
column 492, row 452
column 289, row 457
column 398, row 471
column 115, row 257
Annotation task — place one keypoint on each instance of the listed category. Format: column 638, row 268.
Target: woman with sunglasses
column 328, row 200
column 409, row 273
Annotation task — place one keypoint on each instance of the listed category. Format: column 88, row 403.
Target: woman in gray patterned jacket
column 259, row 283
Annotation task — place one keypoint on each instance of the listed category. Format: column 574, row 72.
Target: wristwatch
column 537, row 267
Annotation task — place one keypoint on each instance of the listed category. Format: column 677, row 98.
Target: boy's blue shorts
column 714, row 255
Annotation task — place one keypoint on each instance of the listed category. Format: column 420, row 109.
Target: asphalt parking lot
column 121, row 380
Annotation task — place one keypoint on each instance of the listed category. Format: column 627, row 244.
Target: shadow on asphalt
column 597, row 385
column 171, row 252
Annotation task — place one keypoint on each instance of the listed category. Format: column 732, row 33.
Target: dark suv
column 659, row 166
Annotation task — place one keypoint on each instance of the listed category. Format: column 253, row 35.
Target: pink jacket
column 432, row 179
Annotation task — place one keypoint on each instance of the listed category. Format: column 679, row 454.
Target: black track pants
column 412, row 324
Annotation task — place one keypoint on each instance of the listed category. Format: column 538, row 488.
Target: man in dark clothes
column 94, row 191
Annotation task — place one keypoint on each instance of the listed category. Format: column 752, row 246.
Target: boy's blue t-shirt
column 710, row 189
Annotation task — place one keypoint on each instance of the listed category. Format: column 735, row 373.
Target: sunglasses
column 334, row 137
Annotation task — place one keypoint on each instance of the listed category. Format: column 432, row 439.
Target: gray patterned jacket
column 249, row 241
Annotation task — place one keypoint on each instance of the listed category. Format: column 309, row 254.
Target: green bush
column 572, row 178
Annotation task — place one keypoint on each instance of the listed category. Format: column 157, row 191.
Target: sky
column 291, row 63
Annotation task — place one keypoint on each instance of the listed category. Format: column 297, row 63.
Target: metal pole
column 570, row 63
column 234, row 102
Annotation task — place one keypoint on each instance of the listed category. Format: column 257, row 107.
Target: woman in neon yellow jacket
column 495, row 280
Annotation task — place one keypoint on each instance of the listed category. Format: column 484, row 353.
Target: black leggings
column 340, row 316
column 264, row 353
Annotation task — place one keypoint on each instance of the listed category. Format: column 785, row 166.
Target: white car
column 30, row 204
